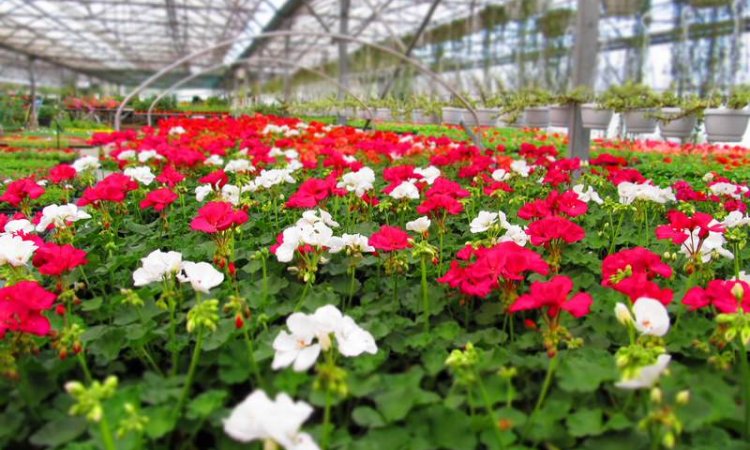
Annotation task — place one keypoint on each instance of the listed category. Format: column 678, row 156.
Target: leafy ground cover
column 21, row 162
column 260, row 282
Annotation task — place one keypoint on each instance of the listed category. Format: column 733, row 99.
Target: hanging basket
column 709, row 3
column 559, row 116
column 555, row 23
column 621, row 8
column 522, row 9
column 536, row 117
column 726, row 125
column 680, row 128
column 640, row 121
column 594, row 117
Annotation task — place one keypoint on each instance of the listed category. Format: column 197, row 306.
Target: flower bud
column 668, row 441
column 623, row 314
column 655, row 395
column 683, row 397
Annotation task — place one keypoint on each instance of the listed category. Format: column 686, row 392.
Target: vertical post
column 32, row 121
column 343, row 61
column 585, row 52
column 287, row 70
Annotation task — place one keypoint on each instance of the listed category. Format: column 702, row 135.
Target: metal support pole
column 287, row 71
column 32, row 121
column 343, row 60
column 585, row 52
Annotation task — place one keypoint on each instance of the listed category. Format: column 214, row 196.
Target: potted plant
column 621, row 8
column 510, row 106
column 559, row 113
column 536, row 110
column 709, row 3
column 728, row 124
column 597, row 115
column 453, row 112
column 555, row 22
column 679, row 115
column 637, row 103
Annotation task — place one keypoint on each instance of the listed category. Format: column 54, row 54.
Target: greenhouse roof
column 124, row 41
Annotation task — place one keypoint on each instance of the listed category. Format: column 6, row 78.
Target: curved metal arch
column 416, row 64
column 260, row 59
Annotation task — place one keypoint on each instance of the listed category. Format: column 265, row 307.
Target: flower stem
column 302, row 296
column 425, row 298
column 173, row 336
column 251, row 357
column 264, row 267
column 350, row 296
column 109, row 442
column 191, row 372
column 745, row 386
column 490, row 411
column 543, row 393
column 84, row 367
column 326, row 421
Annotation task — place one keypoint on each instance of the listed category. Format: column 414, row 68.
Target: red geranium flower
column 113, row 188
column 54, row 260
column 389, row 239
column 20, row 190
column 170, row 176
column 553, row 295
column 21, row 307
column 546, row 230
column 61, row 172
column 217, row 178
column 217, row 216
column 727, row 296
column 437, row 203
column 159, row 199
column 681, row 226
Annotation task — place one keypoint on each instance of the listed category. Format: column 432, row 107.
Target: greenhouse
column 374, row 224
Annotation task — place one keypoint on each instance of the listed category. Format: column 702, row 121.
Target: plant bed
column 263, row 281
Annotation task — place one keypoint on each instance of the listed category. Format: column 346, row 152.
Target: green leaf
column 585, row 369
column 59, row 432
column 206, row 403
column 585, row 422
column 161, row 420
column 367, row 417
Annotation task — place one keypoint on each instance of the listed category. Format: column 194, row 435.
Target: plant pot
column 487, row 117
column 640, row 121
column 709, row 3
column 536, row 117
column 365, row 114
column 620, row 8
column 383, row 114
column 419, row 116
column 726, row 125
column 559, row 116
column 507, row 120
column 679, row 128
column 452, row 115
column 594, row 117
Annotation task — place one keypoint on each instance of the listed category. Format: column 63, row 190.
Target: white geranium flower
column 651, row 317
column 60, row 216
column 623, row 314
column 648, row 375
column 230, row 193
column 203, row 191
column 483, row 222
column 19, row 226
column 141, row 174
column 735, row 219
column 86, row 163
column 516, row 234
column 157, row 266
column 313, row 216
column 127, row 155
column 258, row 418
column 272, row 177
column 520, row 167
column 501, row 175
column 587, row 194
column 429, row 173
column 238, row 165
column 176, row 130
column 318, row 235
column 202, row 276
column 730, row 189
column 630, row 192
column 353, row 243
column 147, row 155
column 214, row 160
column 419, row 225
column 712, row 245
column 15, row 251
column 406, row 189
column 297, row 348
column 358, row 182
